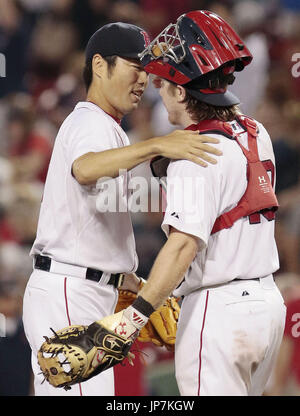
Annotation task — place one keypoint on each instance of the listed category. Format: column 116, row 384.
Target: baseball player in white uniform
column 81, row 254
column 220, row 255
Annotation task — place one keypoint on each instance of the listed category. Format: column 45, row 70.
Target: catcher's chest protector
column 259, row 194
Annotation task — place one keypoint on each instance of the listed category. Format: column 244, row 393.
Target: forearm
column 167, row 272
column 92, row 166
column 180, row 144
column 169, row 268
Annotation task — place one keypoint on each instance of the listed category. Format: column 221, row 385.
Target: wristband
column 142, row 306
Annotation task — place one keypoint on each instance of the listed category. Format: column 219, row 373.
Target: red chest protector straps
column 259, row 194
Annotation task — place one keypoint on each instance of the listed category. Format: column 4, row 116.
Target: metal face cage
column 167, row 44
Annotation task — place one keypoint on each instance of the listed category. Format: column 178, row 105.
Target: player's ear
column 180, row 93
column 98, row 65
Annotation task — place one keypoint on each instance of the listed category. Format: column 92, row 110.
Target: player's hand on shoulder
column 189, row 145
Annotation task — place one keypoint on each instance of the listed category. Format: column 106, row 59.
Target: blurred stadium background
column 42, row 43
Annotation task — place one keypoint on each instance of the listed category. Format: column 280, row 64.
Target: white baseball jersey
column 74, row 229
column 71, row 228
column 196, row 196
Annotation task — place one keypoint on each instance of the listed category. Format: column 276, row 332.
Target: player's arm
column 169, row 267
column 180, row 144
column 188, row 234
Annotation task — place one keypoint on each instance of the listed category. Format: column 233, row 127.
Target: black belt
column 256, row 278
column 116, row 279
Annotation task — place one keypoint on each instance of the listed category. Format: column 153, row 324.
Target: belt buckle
column 119, row 280
column 42, row 263
column 116, row 279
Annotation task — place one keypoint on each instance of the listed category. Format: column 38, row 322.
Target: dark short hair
column 88, row 70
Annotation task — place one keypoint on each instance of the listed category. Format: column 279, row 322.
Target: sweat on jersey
column 72, row 226
column 197, row 196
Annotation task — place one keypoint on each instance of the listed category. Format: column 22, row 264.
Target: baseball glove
column 78, row 353
column 162, row 325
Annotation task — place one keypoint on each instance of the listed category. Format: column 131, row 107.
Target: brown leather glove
column 162, row 325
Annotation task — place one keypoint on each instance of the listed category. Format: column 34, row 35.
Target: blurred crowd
column 43, row 44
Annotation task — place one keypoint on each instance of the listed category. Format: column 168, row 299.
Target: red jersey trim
column 201, row 342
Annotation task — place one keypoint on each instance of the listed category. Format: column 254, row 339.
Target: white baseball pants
column 55, row 301
column 228, row 338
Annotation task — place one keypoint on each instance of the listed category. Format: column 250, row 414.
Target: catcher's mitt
column 162, row 325
column 77, row 353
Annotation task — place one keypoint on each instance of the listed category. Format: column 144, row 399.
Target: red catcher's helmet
column 195, row 50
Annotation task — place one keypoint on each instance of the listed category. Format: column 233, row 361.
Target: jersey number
column 268, row 213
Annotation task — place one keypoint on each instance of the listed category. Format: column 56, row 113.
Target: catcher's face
column 122, row 86
column 170, row 95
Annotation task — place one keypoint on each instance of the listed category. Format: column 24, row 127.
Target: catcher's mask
column 195, row 52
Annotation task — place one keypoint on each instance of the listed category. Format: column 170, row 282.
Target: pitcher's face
column 123, row 85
